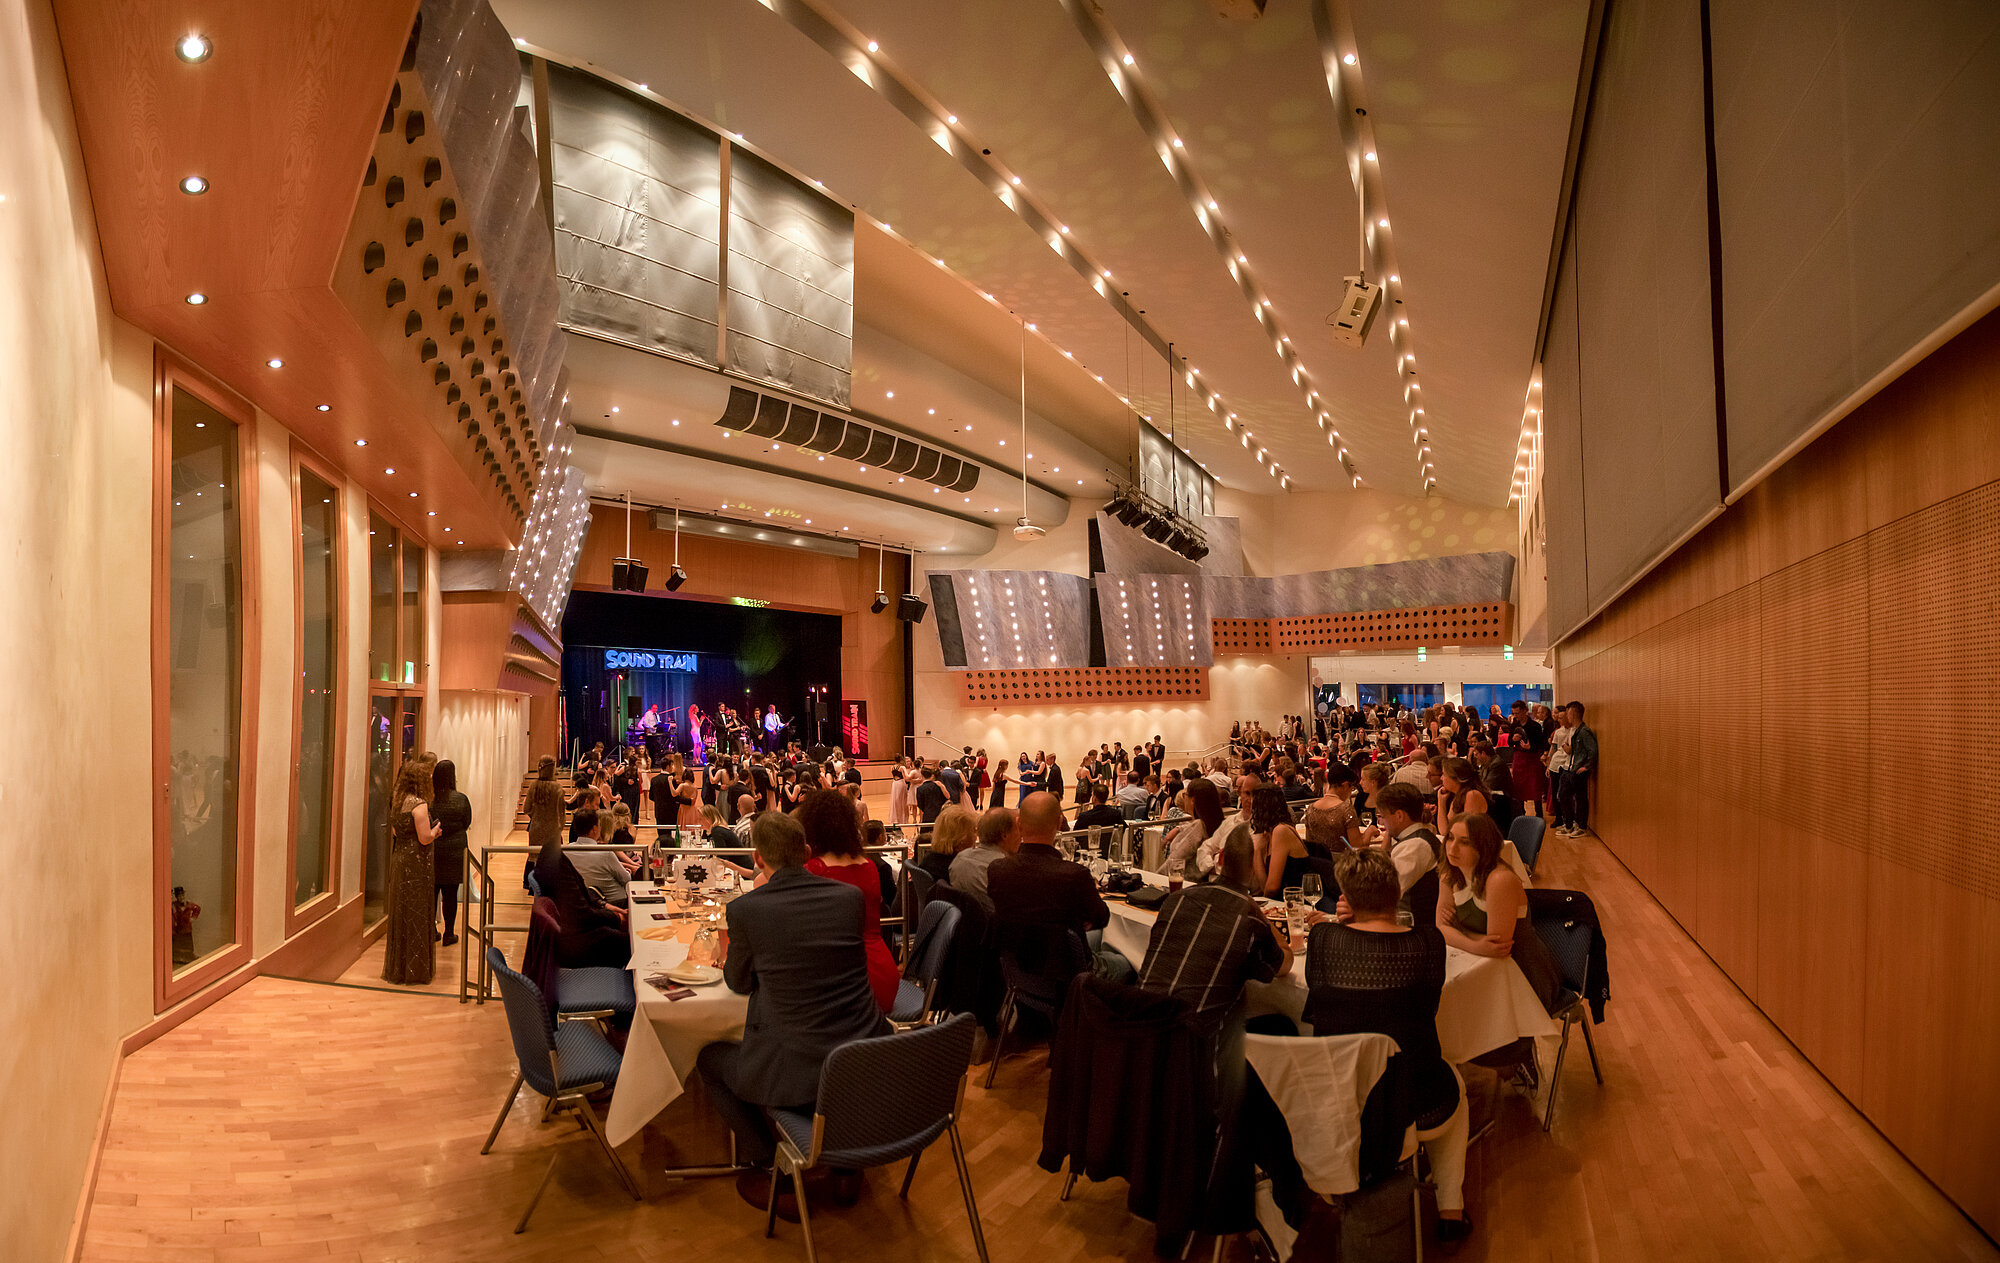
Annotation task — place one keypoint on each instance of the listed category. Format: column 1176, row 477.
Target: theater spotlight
column 676, row 577
column 880, row 603
column 1131, row 513
column 1157, row 529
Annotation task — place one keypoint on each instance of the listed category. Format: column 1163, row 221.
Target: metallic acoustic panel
column 1154, row 619
column 800, row 425
column 927, row 464
column 1022, row 618
column 951, row 635
column 638, row 196
column 904, row 457
column 1463, row 579
column 855, row 440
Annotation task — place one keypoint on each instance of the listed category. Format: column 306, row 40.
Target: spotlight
column 880, row 603
column 1157, row 530
column 1131, row 513
column 676, row 577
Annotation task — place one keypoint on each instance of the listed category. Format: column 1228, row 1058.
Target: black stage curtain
column 747, row 657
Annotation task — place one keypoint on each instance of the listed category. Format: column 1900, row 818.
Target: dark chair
column 919, row 885
column 532, row 883
column 1037, row 963
column 916, row 994
column 1329, row 885
column 1568, row 941
column 1526, row 834
column 880, row 1101
column 593, row 992
column 564, row 1062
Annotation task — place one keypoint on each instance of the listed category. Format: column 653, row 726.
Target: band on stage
column 720, row 732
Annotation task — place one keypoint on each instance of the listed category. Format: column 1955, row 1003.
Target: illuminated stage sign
column 639, row 659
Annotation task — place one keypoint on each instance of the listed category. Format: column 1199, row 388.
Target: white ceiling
column 1470, row 108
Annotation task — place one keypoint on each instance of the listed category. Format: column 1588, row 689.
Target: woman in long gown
column 408, row 959
column 697, row 739
column 899, row 792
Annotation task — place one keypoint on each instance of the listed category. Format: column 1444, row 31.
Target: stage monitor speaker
column 910, row 609
column 819, row 753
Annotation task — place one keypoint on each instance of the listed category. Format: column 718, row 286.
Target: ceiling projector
column 1357, row 311
column 1024, row 529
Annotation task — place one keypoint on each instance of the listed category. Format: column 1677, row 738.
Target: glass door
column 382, row 764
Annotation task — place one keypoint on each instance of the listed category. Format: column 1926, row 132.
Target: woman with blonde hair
column 955, row 830
column 408, row 959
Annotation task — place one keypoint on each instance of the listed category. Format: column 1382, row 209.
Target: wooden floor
column 298, row 1120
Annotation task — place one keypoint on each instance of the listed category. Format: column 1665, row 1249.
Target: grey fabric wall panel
column 1562, row 460
column 944, row 616
column 638, row 217
column 791, row 282
column 1645, row 334
column 1858, row 166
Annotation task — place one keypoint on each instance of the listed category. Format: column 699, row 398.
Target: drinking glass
column 1295, row 915
column 1309, row 886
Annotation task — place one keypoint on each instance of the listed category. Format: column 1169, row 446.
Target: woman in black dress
column 453, row 813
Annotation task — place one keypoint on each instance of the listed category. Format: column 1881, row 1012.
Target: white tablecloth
column 667, row 1035
column 1487, row 1002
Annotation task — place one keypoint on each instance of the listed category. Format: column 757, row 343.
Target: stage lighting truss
column 1158, row 522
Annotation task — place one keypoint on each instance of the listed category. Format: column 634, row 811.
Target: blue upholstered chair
column 916, row 994
column 591, row 992
column 1526, row 834
column 1568, row 941
column 880, row 1101
column 564, row 1062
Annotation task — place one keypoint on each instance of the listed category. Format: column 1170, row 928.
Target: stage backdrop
column 744, row 655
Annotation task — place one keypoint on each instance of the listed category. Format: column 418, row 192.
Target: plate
column 695, row 975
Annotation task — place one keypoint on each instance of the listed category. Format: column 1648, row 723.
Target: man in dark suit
column 795, row 949
column 661, row 791
column 1100, row 813
column 1036, row 888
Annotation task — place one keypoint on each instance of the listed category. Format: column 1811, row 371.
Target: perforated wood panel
column 1085, row 686
column 1240, row 635
column 1487, row 625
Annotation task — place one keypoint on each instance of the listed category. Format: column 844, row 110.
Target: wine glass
column 1309, row 887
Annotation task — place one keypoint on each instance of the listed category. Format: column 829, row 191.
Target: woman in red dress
column 833, row 831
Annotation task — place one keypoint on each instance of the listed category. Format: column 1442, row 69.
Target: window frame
column 170, row 373
column 396, row 691
column 299, row 916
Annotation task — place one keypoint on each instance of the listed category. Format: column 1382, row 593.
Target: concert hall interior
column 1330, row 615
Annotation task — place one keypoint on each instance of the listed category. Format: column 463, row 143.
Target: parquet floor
column 296, row 1120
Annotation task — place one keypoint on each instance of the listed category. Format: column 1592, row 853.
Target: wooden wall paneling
column 1734, row 782
column 1934, row 432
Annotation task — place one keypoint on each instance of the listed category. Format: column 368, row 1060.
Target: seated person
column 1132, row 797
column 1193, row 849
column 1482, row 908
column 795, row 947
column 591, row 931
column 1037, row 887
column 1331, row 825
column 956, row 830
column 999, row 837
column 833, row 835
column 1412, row 847
column 1100, row 813
column 605, row 872
column 1281, row 853
column 1210, row 941
column 1366, row 973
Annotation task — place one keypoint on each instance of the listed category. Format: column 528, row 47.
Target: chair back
column 538, row 958
column 1038, row 960
column 936, row 929
column 528, row 1022
column 921, row 881
column 532, row 882
column 890, row 1096
column 1329, row 885
column 1526, row 834
column 1322, row 1085
column 1566, row 937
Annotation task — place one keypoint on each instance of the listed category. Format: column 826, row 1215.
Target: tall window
column 396, row 648
column 203, row 740
column 315, row 786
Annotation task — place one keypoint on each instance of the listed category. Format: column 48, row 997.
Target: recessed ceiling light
column 432, row 513
column 1348, row 60
column 194, row 185
column 873, row 46
column 1381, row 223
column 614, row 407
column 1128, row 60
column 389, row 471
column 1370, row 155
column 892, row 394
column 274, row 362
column 361, row 442
column 196, row 299
column 951, row 118
column 1177, row 143
column 193, row 48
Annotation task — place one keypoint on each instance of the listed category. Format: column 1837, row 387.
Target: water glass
column 1295, row 916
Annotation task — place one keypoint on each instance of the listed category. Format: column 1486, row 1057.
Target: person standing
column 1582, row 759
column 454, row 818
column 408, row 959
column 929, row 796
column 899, row 791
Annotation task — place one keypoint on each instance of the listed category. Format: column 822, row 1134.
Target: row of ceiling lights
column 1011, row 191
column 1528, row 453
column 195, row 48
column 1345, row 81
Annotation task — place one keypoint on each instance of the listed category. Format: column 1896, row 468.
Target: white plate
column 695, row 975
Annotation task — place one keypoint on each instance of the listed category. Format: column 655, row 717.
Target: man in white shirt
column 602, row 871
column 1412, row 847
column 746, row 815
column 1133, row 800
column 1219, row 773
column 1416, row 774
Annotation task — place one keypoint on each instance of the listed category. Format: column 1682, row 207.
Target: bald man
column 1036, row 886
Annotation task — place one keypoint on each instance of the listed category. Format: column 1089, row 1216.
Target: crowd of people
column 1402, row 815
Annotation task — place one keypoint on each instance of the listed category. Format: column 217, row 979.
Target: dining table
column 1487, row 1002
